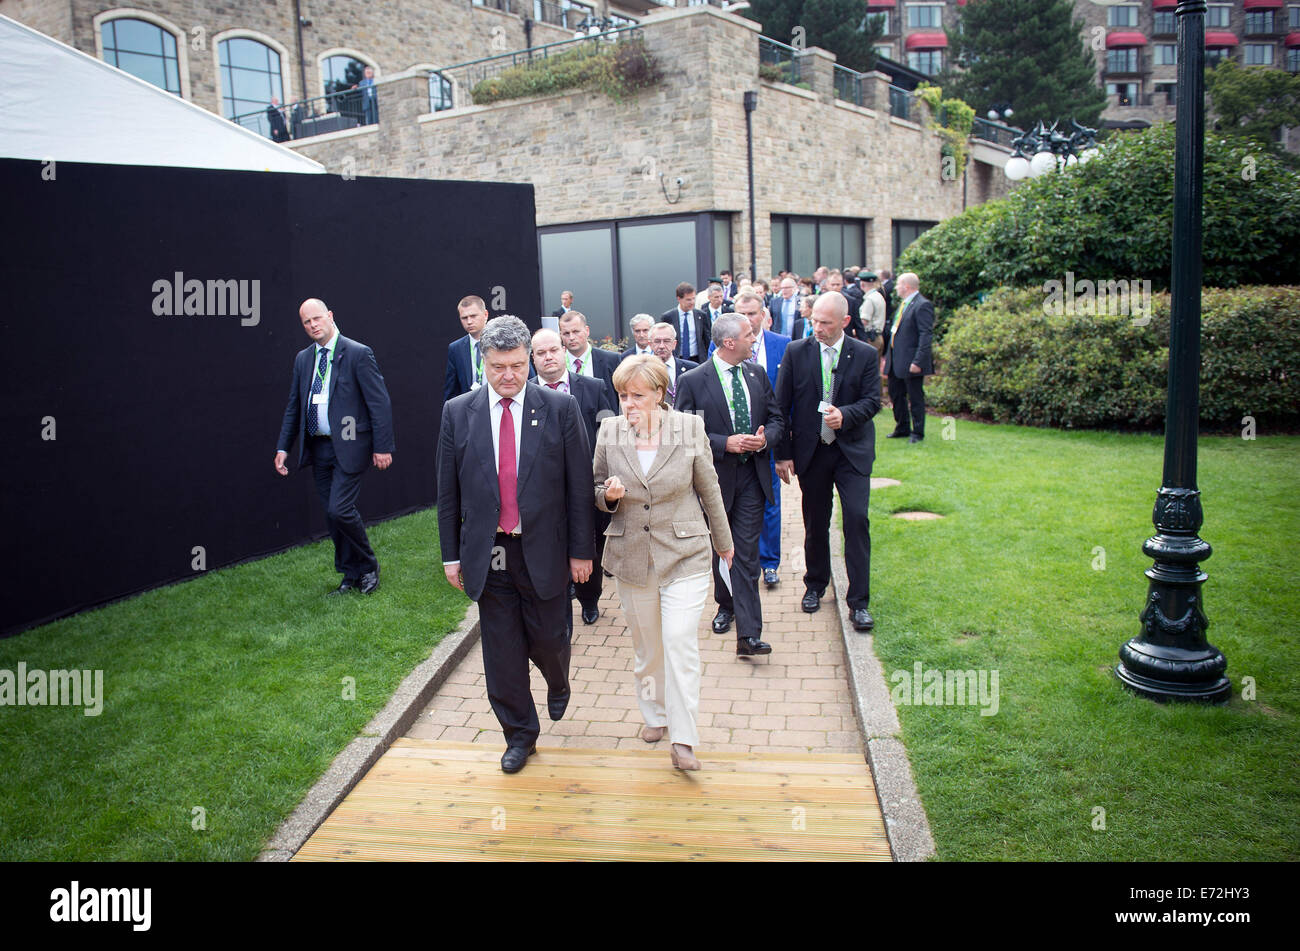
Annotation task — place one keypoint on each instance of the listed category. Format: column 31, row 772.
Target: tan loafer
column 652, row 734
column 683, row 758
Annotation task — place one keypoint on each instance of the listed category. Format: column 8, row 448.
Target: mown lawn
column 225, row 694
column 1012, row 580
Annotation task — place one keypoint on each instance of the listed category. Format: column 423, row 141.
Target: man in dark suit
column 714, row 305
column 339, row 405
column 566, row 304
column 582, row 358
column 515, row 511
column 464, row 358
column 735, row 399
column 690, row 325
column 663, row 341
column 769, row 350
column 275, row 117
column 729, row 288
column 828, row 390
column 910, row 359
column 640, row 326
column 597, row 400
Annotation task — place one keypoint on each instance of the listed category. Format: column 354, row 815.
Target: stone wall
column 593, row 159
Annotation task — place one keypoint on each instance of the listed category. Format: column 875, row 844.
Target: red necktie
column 577, row 366
column 507, row 478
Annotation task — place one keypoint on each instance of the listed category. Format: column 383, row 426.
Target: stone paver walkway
column 795, row 700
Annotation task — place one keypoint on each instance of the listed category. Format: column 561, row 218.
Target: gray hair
column 726, row 327
column 505, row 333
column 664, row 325
column 641, row 319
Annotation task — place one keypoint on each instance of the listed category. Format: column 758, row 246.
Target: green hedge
column 617, row 69
column 1008, row 360
column 1112, row 219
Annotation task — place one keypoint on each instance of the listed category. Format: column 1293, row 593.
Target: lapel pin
column 534, row 422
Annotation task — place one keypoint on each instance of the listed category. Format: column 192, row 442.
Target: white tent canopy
column 58, row 103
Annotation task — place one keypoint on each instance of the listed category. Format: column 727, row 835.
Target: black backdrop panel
column 165, row 426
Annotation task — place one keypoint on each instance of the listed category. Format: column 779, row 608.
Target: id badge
column 317, row 398
column 823, row 407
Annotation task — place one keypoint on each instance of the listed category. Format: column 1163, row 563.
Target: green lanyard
column 478, row 363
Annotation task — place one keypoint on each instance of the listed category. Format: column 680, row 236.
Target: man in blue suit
column 339, row 406
column 464, row 358
column 769, row 348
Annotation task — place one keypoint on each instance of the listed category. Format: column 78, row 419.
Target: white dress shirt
column 323, row 408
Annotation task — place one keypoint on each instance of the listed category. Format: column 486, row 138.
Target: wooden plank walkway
column 436, row 800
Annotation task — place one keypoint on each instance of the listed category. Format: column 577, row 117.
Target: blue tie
column 313, row 422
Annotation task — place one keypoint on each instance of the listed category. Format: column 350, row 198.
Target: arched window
column 142, row 49
column 250, row 77
column 340, row 72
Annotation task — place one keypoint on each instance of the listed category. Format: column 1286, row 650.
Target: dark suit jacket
column 459, row 377
column 797, row 331
column 703, row 330
column 855, row 390
column 911, row 342
column 553, row 490
column 596, row 399
column 630, row 352
column 700, row 391
column 357, row 392
column 680, row 366
column 775, row 308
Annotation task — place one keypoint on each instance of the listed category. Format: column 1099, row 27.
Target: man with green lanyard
column 464, row 359
column 735, row 399
column 581, row 357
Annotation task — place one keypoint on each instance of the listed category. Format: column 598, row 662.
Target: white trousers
column 665, row 622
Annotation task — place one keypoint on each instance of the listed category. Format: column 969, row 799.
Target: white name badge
column 318, row 398
column 475, row 386
column 823, row 407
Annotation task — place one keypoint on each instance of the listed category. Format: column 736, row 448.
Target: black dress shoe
column 369, row 582
column 812, row 600
column 590, row 614
column 915, row 438
column 896, row 434
column 862, row 620
column 557, row 703
column 771, row 578
column 346, row 585
column 514, row 758
column 747, row 646
column 722, row 621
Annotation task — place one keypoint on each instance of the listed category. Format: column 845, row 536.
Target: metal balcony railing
column 995, row 132
column 779, row 63
column 342, row 109
column 848, row 85
column 902, row 104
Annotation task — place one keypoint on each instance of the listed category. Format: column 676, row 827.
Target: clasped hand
column 744, row 442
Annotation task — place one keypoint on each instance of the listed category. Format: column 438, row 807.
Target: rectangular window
column 1293, row 18
column 1125, row 93
column 1166, row 54
column 885, row 51
column 1122, row 60
column 924, row 15
column 1168, row 92
column 803, row 244
column 1293, row 60
column 653, row 258
column 1259, row 21
column 1258, row 54
column 1122, row 16
column 1216, row 55
column 1217, row 15
column 883, row 17
column 905, row 232
column 1165, row 24
column 929, row 62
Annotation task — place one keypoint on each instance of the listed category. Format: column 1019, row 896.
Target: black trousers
column 745, row 516
column 905, row 391
column 830, row 469
column 588, row 592
column 518, row 626
column 338, row 492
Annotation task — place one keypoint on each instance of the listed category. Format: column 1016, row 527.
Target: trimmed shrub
column 1112, row 219
column 617, row 69
column 1007, row 360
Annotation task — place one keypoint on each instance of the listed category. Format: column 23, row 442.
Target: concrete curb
column 905, row 820
column 411, row 696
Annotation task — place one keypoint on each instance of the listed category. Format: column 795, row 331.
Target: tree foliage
column 839, row 26
column 1112, row 219
column 1253, row 101
column 1028, row 53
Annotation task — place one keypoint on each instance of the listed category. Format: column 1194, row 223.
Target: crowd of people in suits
column 561, row 464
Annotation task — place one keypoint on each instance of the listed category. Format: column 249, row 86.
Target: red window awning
column 874, row 4
column 1217, row 39
column 1164, row 4
column 1125, row 38
column 1293, row 39
column 927, row 41
column 1263, row 4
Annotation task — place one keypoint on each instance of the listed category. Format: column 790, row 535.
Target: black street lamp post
column 1171, row 659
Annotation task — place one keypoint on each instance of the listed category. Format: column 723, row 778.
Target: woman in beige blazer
column 654, row 474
